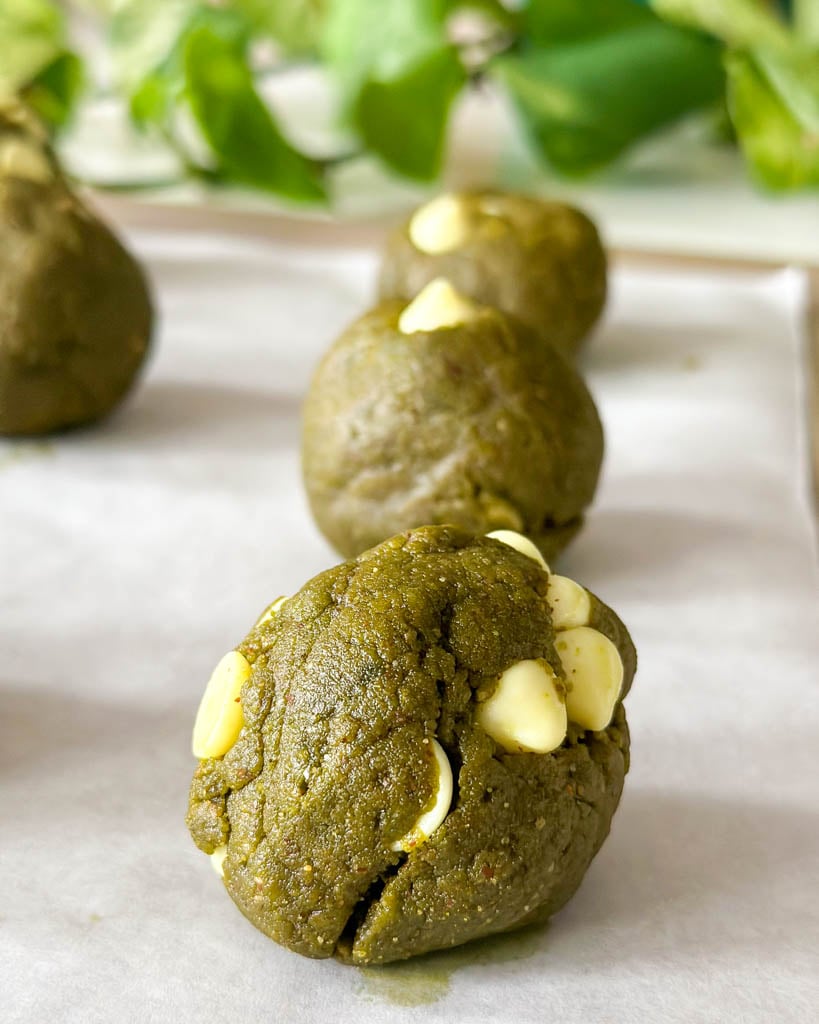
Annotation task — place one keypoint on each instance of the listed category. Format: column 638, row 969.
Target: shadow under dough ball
column 447, row 412
column 422, row 747
column 75, row 313
column 541, row 261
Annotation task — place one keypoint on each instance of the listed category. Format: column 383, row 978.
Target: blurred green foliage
column 244, row 139
column 398, row 74
column 32, row 34
column 772, row 69
column 296, row 25
column 588, row 79
column 774, row 102
column 35, row 60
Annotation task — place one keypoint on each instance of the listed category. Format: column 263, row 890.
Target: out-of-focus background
column 685, row 125
column 251, row 155
column 689, row 129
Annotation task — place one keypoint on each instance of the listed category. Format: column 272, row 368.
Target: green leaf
column 144, row 34
column 583, row 103
column 383, row 41
column 54, row 91
column 153, row 100
column 156, row 88
column 404, row 119
column 547, row 22
column 200, row 56
column 794, row 76
column 397, row 75
column 736, row 22
column 237, row 125
column 32, row 35
column 774, row 104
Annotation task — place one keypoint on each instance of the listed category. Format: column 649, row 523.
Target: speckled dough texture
column 364, row 664
column 541, row 261
column 75, row 313
column 479, row 425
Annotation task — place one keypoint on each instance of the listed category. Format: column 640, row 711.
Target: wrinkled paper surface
column 134, row 554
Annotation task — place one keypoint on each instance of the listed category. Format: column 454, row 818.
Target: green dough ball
column 75, row 314
column 541, row 261
column 350, row 681
column 479, row 425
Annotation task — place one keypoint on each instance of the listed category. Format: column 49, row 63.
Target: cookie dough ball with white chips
column 423, row 746
column 540, row 261
column 443, row 410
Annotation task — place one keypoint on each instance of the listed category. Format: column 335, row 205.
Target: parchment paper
column 132, row 555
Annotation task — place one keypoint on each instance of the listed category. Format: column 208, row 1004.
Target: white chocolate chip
column 20, row 159
column 217, row 860
column 219, row 718
column 519, row 543
column 594, row 675
column 439, row 226
column 570, row 603
column 431, row 818
column 269, row 612
column 436, row 306
column 526, row 710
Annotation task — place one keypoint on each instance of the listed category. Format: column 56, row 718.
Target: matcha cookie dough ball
column 422, row 747
column 75, row 315
column 541, row 261
column 445, row 411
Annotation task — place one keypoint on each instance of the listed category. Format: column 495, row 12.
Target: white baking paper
column 134, row 554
